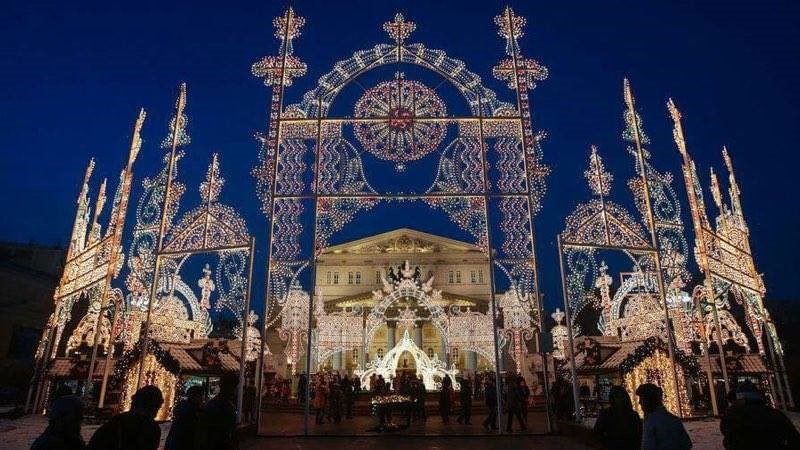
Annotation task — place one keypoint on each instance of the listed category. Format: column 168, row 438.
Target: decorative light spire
column 94, row 234
column 596, row 175
column 633, row 122
column 178, row 137
column 279, row 70
column 136, row 140
column 399, row 29
column 511, row 27
column 715, row 192
column 212, row 186
column 733, row 190
column 677, row 130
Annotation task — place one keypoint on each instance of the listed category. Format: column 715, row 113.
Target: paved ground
column 19, row 434
column 287, row 424
column 417, row 443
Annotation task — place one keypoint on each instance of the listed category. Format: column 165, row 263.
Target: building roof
column 749, row 363
column 402, row 241
column 194, row 356
column 76, row 369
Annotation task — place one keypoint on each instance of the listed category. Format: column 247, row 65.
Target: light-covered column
column 444, row 355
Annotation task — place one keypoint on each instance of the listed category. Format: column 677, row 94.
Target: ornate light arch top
column 279, row 70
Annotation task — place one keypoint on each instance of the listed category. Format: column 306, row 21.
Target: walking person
column 490, row 396
column 63, row 430
column 750, row 423
column 619, row 425
column 218, row 419
column 525, row 395
column 661, row 430
column 319, row 401
column 135, row 429
column 466, row 402
column 513, row 403
column 445, row 399
column 185, row 421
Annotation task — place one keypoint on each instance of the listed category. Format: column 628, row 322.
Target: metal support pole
column 245, row 326
column 568, row 314
column 770, row 345
column 711, row 295
column 712, row 389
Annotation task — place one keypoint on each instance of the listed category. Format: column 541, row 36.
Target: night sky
column 75, row 75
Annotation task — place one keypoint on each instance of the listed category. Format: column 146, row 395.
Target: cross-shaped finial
column 399, row 29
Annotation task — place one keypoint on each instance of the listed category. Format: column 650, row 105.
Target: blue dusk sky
column 75, row 74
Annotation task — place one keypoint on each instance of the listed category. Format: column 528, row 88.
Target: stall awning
column 749, row 363
column 75, row 368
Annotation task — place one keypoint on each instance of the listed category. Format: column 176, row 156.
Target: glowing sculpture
column 723, row 254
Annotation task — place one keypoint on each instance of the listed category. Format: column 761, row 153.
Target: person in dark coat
column 218, row 419
column 525, row 394
column 420, row 393
column 490, row 395
column 302, row 384
column 185, row 420
column 750, row 423
column 445, row 400
column 661, row 429
column 619, row 425
column 466, row 402
column 63, row 430
column 135, row 429
column 513, row 403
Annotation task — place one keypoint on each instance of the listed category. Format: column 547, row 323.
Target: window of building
column 335, row 277
column 328, row 278
column 358, row 277
column 349, row 277
column 377, row 277
column 450, row 277
column 379, row 352
column 473, row 277
column 480, row 276
column 355, row 354
column 458, row 277
column 454, row 354
column 430, row 353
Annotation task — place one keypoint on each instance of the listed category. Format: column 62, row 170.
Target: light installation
column 93, row 261
column 643, row 306
column 161, row 305
column 312, row 163
column 722, row 251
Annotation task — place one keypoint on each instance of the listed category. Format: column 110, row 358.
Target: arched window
column 458, row 277
column 473, row 277
column 377, row 277
column 358, row 277
column 328, row 278
column 349, row 277
column 480, row 276
column 335, row 277
column 355, row 354
column 450, row 277
column 380, row 353
column 430, row 353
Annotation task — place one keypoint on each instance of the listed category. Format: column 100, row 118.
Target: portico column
column 390, row 335
column 444, row 355
column 418, row 335
column 472, row 361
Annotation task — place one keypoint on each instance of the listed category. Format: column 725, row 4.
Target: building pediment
column 403, row 241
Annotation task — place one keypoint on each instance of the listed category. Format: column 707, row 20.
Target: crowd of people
column 748, row 422
column 195, row 425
